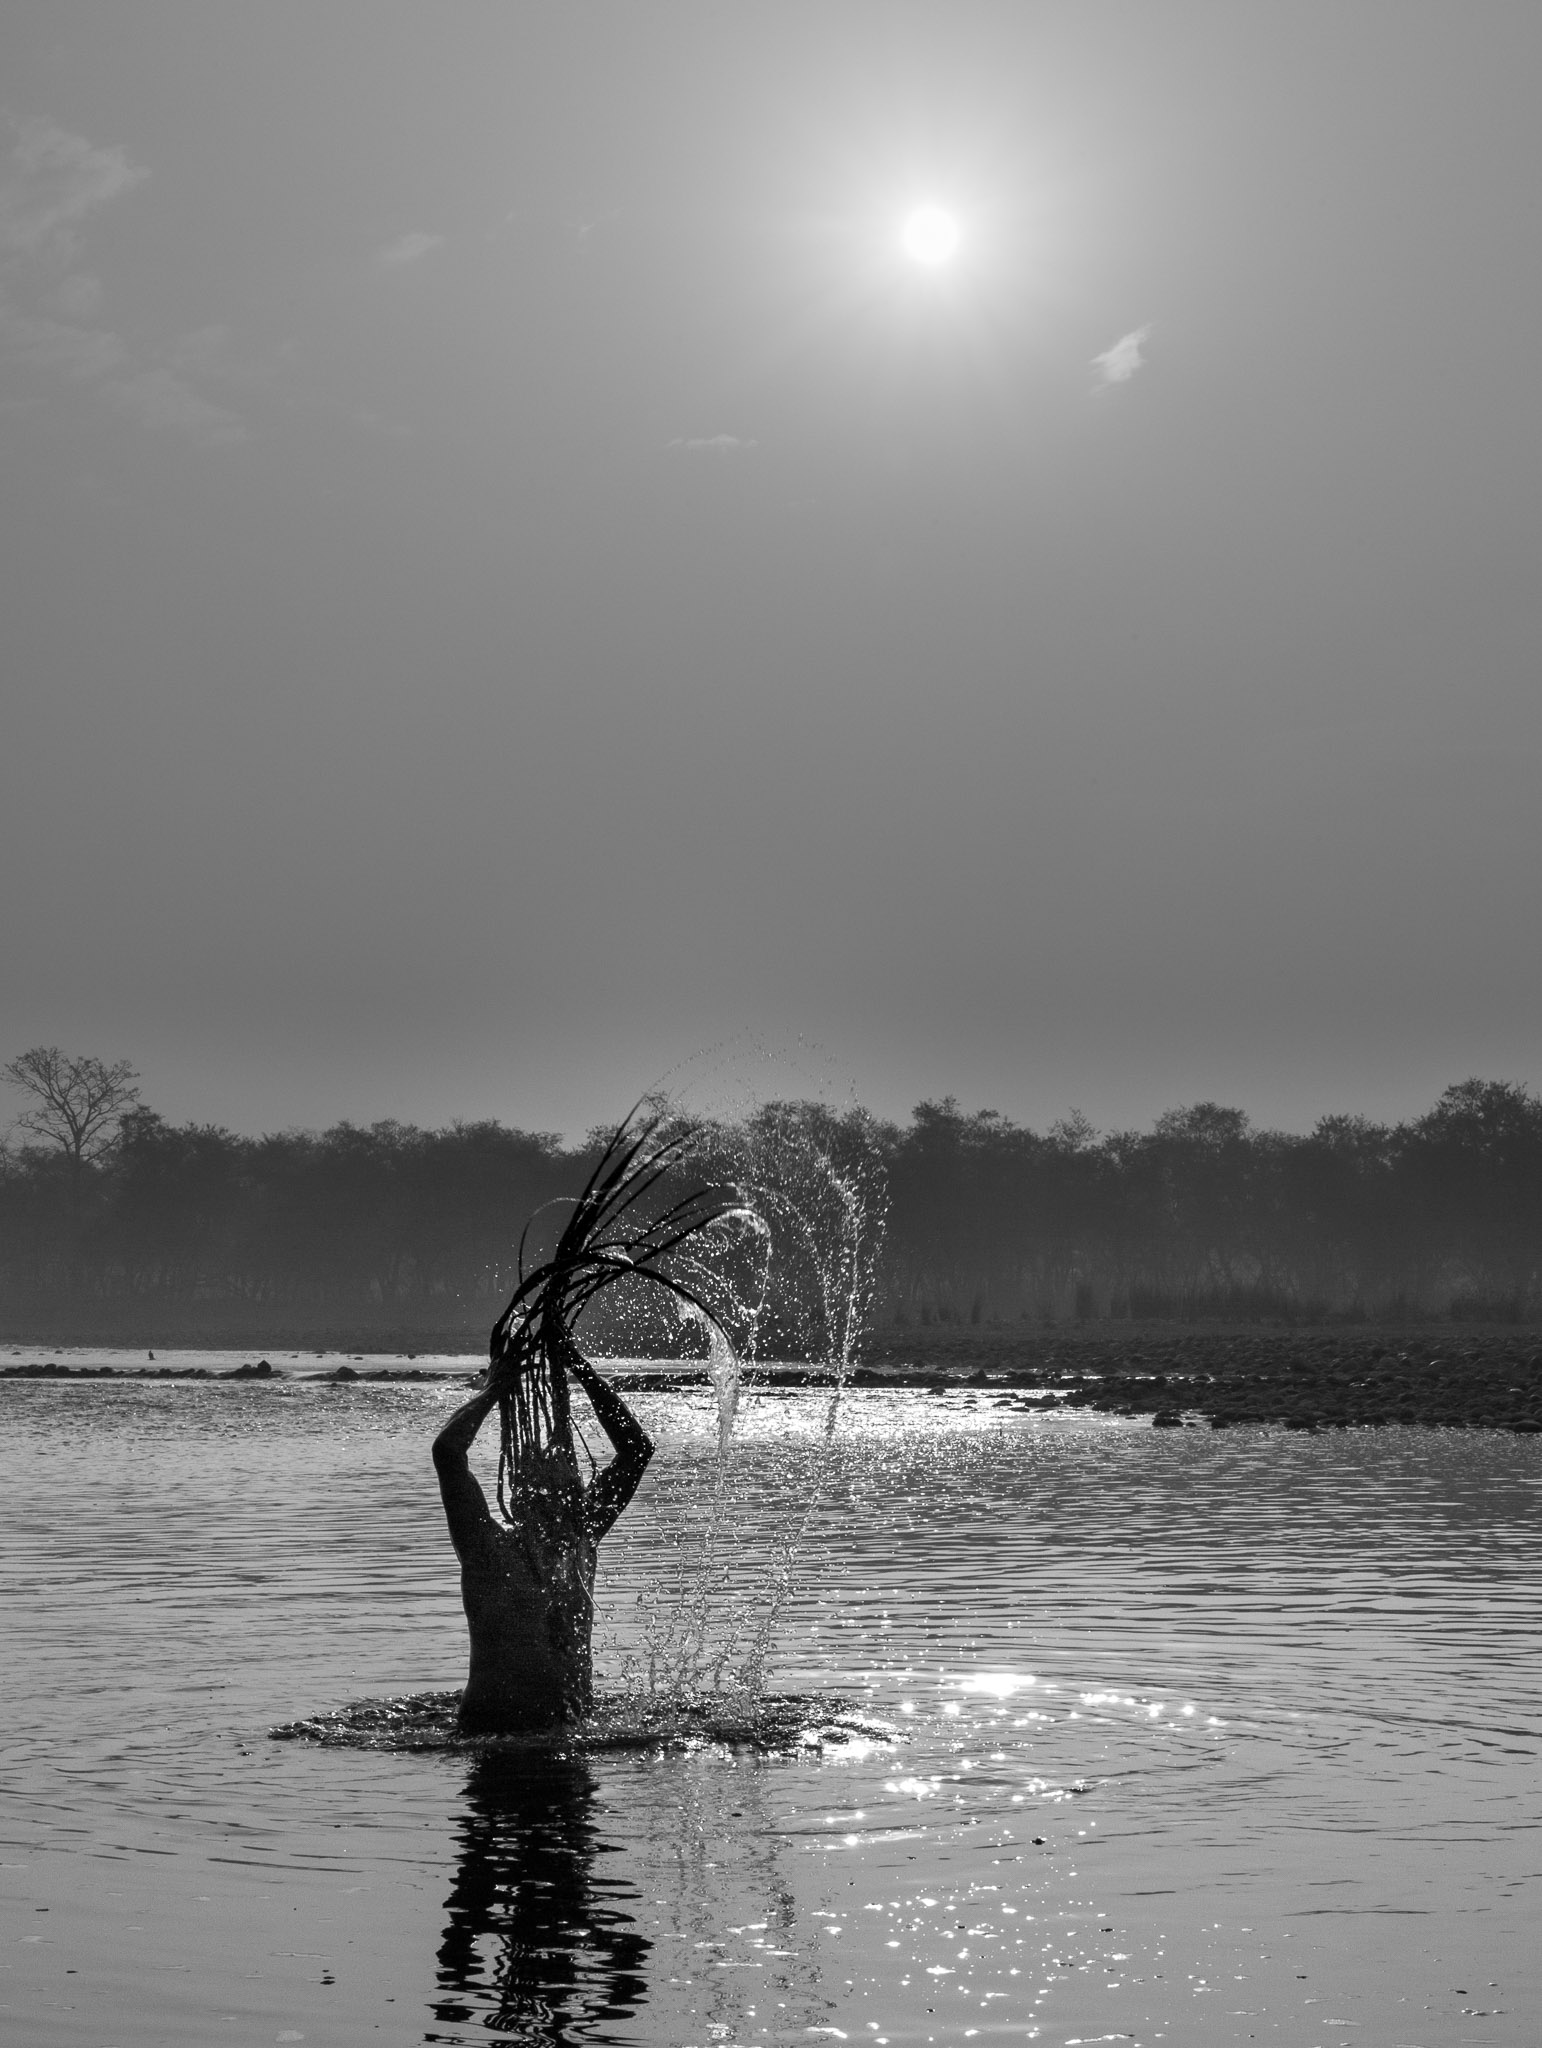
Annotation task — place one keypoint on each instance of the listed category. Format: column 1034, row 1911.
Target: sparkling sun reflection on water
column 1194, row 1739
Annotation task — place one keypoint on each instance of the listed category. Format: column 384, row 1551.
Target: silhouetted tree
column 1474, row 1163
column 74, row 1102
column 177, row 1224
column 987, row 1220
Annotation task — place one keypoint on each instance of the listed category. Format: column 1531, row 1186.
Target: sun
column 930, row 236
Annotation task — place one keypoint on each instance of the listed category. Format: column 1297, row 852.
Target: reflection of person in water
column 528, row 1585
column 562, row 1955
column 527, row 1574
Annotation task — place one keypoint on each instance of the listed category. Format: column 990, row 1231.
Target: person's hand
column 502, row 1372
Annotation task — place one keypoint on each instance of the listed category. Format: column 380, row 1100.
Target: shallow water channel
column 1198, row 1737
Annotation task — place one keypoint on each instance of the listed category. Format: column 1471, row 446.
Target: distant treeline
column 392, row 1228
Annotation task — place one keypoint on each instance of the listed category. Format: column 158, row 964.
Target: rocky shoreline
column 1433, row 1377
column 1437, row 1376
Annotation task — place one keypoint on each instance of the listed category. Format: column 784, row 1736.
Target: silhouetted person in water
column 528, row 1584
column 527, row 1572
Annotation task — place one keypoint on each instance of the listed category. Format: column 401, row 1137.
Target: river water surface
column 1198, row 1737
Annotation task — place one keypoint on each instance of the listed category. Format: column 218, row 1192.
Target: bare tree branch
column 75, row 1102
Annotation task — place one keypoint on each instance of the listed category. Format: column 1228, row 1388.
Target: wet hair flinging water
column 610, row 1237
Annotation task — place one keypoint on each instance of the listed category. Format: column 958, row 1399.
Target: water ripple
column 1174, row 1710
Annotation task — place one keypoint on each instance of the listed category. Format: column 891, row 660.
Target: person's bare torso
column 529, row 1599
column 527, row 1573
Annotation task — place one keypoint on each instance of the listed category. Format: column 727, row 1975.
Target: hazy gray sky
column 511, row 574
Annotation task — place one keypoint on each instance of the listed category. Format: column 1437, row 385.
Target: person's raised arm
column 465, row 1504
column 613, row 1487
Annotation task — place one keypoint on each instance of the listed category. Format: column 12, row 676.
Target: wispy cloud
column 409, row 248
column 1117, row 365
column 61, row 346
column 159, row 399
column 713, row 444
column 51, row 184
column 55, row 180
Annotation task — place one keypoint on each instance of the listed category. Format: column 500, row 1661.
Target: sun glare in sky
column 930, row 236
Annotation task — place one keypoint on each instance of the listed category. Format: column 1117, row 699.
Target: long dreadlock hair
column 608, row 1238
